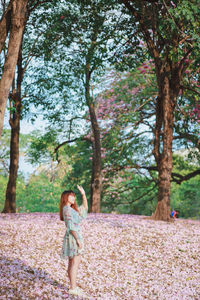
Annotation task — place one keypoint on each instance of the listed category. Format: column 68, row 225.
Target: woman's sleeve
column 68, row 218
column 83, row 211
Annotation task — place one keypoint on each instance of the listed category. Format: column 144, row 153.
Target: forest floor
column 127, row 257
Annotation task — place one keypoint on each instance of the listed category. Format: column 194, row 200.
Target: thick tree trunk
column 18, row 18
column 10, row 201
column 5, row 23
column 96, row 180
column 163, row 148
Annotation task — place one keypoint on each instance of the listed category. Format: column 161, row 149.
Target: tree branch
column 149, row 40
column 141, row 196
column 188, row 136
column 71, row 141
column 190, row 89
column 182, row 65
column 180, row 178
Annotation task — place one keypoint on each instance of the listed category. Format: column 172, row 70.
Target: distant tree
column 76, row 51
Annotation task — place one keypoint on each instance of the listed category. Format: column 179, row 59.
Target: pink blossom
column 30, row 257
column 172, row 3
column 119, row 179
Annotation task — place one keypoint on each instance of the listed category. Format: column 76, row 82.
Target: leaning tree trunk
column 18, row 18
column 10, row 201
column 5, row 25
column 96, row 180
column 163, row 148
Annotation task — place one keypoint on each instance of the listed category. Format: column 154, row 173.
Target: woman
column 73, row 244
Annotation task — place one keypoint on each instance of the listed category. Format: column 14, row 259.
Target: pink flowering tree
column 124, row 112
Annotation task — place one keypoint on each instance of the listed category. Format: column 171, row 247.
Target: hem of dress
column 67, row 257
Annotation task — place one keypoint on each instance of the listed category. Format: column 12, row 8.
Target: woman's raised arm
column 85, row 204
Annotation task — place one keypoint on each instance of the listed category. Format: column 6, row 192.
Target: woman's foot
column 79, row 289
column 76, row 291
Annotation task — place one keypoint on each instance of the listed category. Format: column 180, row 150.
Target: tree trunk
column 10, row 201
column 163, row 148
column 96, row 180
column 5, row 25
column 18, row 18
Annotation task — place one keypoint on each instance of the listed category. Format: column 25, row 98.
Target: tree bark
column 96, row 180
column 163, row 146
column 10, row 201
column 18, row 19
column 5, row 25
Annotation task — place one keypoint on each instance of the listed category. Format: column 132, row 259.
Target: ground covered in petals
column 126, row 257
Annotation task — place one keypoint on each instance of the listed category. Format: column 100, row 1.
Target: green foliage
column 129, row 193
column 74, row 34
column 24, row 141
column 81, row 165
column 126, row 191
column 4, row 152
column 42, row 146
column 3, row 184
column 183, row 165
column 39, row 195
column 186, row 198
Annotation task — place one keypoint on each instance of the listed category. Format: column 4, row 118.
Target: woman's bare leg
column 73, row 270
column 68, row 270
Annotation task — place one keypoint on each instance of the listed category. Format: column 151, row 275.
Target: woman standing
column 73, row 244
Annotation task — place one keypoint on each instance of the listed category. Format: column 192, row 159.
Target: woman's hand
column 79, row 244
column 81, row 189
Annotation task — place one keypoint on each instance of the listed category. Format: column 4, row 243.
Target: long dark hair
column 63, row 202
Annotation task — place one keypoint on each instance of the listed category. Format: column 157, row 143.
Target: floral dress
column 72, row 221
